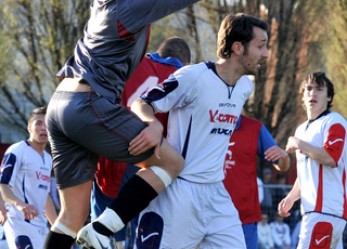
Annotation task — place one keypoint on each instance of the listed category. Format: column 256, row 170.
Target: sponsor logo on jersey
column 226, row 105
column 45, row 187
column 221, row 131
column 42, row 177
column 217, row 117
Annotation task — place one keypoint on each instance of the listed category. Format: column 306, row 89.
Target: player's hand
column 29, row 211
column 150, row 137
column 292, row 144
column 275, row 153
column 3, row 213
column 284, row 207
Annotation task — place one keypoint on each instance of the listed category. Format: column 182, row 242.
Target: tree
column 37, row 37
column 305, row 35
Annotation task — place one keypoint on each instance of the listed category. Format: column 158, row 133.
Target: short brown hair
column 238, row 27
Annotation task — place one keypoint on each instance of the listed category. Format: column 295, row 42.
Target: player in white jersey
column 321, row 154
column 25, row 175
column 204, row 102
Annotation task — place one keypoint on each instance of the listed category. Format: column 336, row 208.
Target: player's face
column 38, row 130
column 256, row 53
column 315, row 99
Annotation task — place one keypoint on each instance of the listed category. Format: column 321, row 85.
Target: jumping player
column 25, row 184
column 321, row 155
column 204, row 102
column 85, row 120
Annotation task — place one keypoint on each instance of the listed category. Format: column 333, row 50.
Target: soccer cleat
column 88, row 238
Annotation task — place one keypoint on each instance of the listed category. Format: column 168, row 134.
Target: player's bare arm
column 318, row 154
column 287, row 203
column 278, row 155
column 152, row 135
column 29, row 211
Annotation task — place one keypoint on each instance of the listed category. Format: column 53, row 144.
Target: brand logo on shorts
column 318, row 241
column 150, row 231
column 144, row 238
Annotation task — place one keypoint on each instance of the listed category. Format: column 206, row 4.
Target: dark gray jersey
column 114, row 42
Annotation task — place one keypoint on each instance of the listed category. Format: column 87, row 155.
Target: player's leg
column 74, row 211
column 98, row 202
column 175, row 219
column 21, row 234
column 71, row 117
column 73, row 165
column 134, row 196
column 224, row 229
column 321, row 231
column 251, row 235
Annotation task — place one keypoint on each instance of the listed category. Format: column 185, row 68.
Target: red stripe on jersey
column 335, row 141
column 319, row 201
column 123, row 32
column 344, row 195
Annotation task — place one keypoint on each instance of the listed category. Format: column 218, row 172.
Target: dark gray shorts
column 82, row 126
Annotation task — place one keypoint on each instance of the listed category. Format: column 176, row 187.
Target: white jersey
column 28, row 174
column 203, row 115
column 323, row 189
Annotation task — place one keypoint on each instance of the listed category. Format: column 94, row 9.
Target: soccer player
column 251, row 139
column 85, row 120
column 25, row 175
column 321, row 155
column 204, row 102
column 172, row 54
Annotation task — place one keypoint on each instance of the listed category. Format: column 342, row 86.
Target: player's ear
column 237, row 47
column 29, row 126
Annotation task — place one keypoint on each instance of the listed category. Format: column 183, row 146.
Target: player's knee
column 173, row 162
column 163, row 175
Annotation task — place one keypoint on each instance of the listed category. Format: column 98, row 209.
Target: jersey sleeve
column 177, row 91
column 247, row 86
column 10, row 165
column 137, row 13
column 334, row 142
column 265, row 141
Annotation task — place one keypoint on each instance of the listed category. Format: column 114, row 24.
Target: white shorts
column 189, row 216
column 20, row 234
column 321, row 231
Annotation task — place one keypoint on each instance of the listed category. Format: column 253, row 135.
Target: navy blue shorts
column 84, row 125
